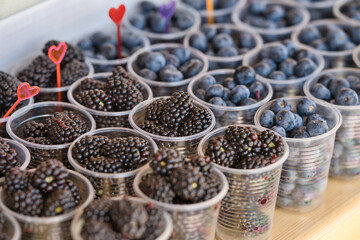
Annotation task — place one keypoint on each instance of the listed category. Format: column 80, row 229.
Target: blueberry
column 209, row 30
column 239, row 93
column 244, row 75
column 280, row 104
column 257, row 6
column 300, row 133
column 155, row 61
column 99, row 38
column 309, row 34
column 267, row 119
column 108, row 50
column 147, row 6
column 225, row 29
column 206, row 81
column 246, row 40
column 304, row 67
column 316, row 128
column 347, row 97
column 294, row 16
column 157, row 22
column 278, row 53
column 263, row 69
column 182, row 53
column 319, row 44
column 184, row 20
column 325, row 79
column 290, row 46
column 247, row 102
column 85, row 44
column 227, row 52
column 169, row 73
column 138, row 21
column 285, row 119
column 216, row 90
column 229, row 83
column 200, row 93
column 141, row 59
column 337, row 84
column 131, row 40
column 347, row 46
column 354, row 14
column 277, row 75
column 335, row 38
column 230, row 103
column 353, row 80
column 199, row 41
column 274, row 12
column 287, row 66
column 226, row 94
column 192, row 67
column 222, row 40
column 269, row 62
column 279, row 130
column 313, row 117
column 299, row 121
column 264, row 53
column 321, row 92
column 218, row 101
column 355, row 34
column 171, row 59
column 148, row 74
column 257, row 90
column 303, row 53
column 226, row 3
column 306, row 107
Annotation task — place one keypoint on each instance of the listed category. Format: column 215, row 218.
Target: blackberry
column 2, row 221
column 59, row 202
column 256, row 161
column 221, row 151
column 166, row 160
column 49, row 175
column 88, row 146
column 271, row 144
column 91, row 84
column 156, row 187
column 153, row 127
column 8, row 90
column 96, row 230
column 120, row 73
column 255, row 223
column 95, row 99
column 125, row 96
column 155, row 110
column 103, row 164
column 202, row 163
column 34, row 129
column 156, row 222
column 213, row 187
column 75, row 192
column 72, row 52
column 39, row 140
column 28, row 202
column 16, row 180
column 196, row 121
column 8, row 157
column 98, row 210
column 73, row 71
column 244, row 139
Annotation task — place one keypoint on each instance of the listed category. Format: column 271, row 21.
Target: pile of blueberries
column 351, row 9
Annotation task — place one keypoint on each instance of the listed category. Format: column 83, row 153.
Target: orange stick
column 12, row 108
column 210, row 11
column 58, row 78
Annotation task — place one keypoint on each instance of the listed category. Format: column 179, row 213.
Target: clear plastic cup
column 317, row 9
column 57, row 227
column 356, row 56
column 270, row 35
column 11, row 227
column 111, row 184
column 333, row 59
column 305, row 173
column 190, row 221
column 288, row 87
column 161, row 88
column 78, row 222
column 251, row 197
column 340, row 15
column 216, row 62
column 184, row 145
column 345, row 162
column 230, row 115
column 171, row 36
column 39, row 112
column 106, row 119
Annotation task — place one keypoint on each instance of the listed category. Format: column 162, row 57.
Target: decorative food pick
column 56, row 55
column 24, row 91
column 117, row 15
column 166, row 11
column 210, row 11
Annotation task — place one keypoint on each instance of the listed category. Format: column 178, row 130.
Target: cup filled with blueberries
column 348, row 11
column 318, row 9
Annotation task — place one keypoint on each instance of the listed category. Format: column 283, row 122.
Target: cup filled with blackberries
column 309, row 129
column 348, row 11
column 274, row 20
column 9, row 227
column 334, row 39
column 100, row 48
column 110, row 158
column 48, row 128
column 121, row 217
column 232, row 95
column 251, row 158
column 175, row 121
column 167, row 67
column 286, row 66
column 149, row 20
column 340, row 89
column 224, row 45
column 356, row 56
column 188, row 187
column 109, row 97
column 44, row 200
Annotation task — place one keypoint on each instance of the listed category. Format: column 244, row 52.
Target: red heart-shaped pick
column 24, row 91
column 117, row 14
column 57, row 53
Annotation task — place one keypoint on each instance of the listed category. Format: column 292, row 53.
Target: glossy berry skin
column 306, row 107
column 182, row 53
column 290, row 46
column 206, row 81
column 299, row 121
column 222, row 40
column 277, row 75
column 200, row 93
column 347, row 97
column 216, row 90
column 315, row 117
column 263, row 69
column 267, row 119
column 247, row 102
column 336, row 85
column 316, row 128
column 148, row 74
column 304, row 67
column 191, row 67
column 278, row 53
column 280, row 130
column 309, row 34
column 300, row 133
column 239, row 93
column 287, row 66
column 217, row 101
column 170, row 73
column 326, row 79
column 199, row 41
column 257, row 90
column 285, row 119
column 229, row 83
column 280, row 104
column 244, row 75
column 321, row 92
column 155, row 61
column 275, row 12
column 335, row 38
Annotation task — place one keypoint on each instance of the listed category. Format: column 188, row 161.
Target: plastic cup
column 165, row 88
column 340, row 15
column 345, row 162
column 111, row 184
column 288, row 87
column 57, row 227
column 270, row 35
column 251, row 197
column 184, row 145
column 39, row 112
column 190, row 221
column 106, row 119
column 356, row 56
column 305, row 173
column 171, row 36
column 333, row 59
column 78, row 222
column 216, row 62
column 230, row 115
column 317, row 9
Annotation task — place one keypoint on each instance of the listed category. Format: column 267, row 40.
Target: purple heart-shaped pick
column 167, row 10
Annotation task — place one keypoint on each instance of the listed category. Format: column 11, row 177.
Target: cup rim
column 280, row 31
column 160, row 46
column 182, row 207
column 24, row 110
column 317, row 5
column 356, row 56
column 165, row 138
column 340, row 15
column 55, row 219
column 76, row 84
column 229, row 108
column 330, row 71
column 256, row 36
column 15, row 225
column 90, row 173
column 320, row 66
column 309, row 139
column 277, row 164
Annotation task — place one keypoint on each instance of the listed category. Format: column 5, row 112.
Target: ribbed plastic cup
column 333, row 59
column 11, row 227
column 230, row 115
column 270, row 35
column 184, row 145
column 345, row 162
column 39, row 112
column 111, row 184
column 190, row 221
column 305, row 173
column 106, row 119
column 161, row 88
column 216, row 62
column 356, row 56
column 57, row 227
column 251, row 197
column 78, row 222
column 340, row 15
column 170, row 36
column 288, row 87
column 317, row 9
